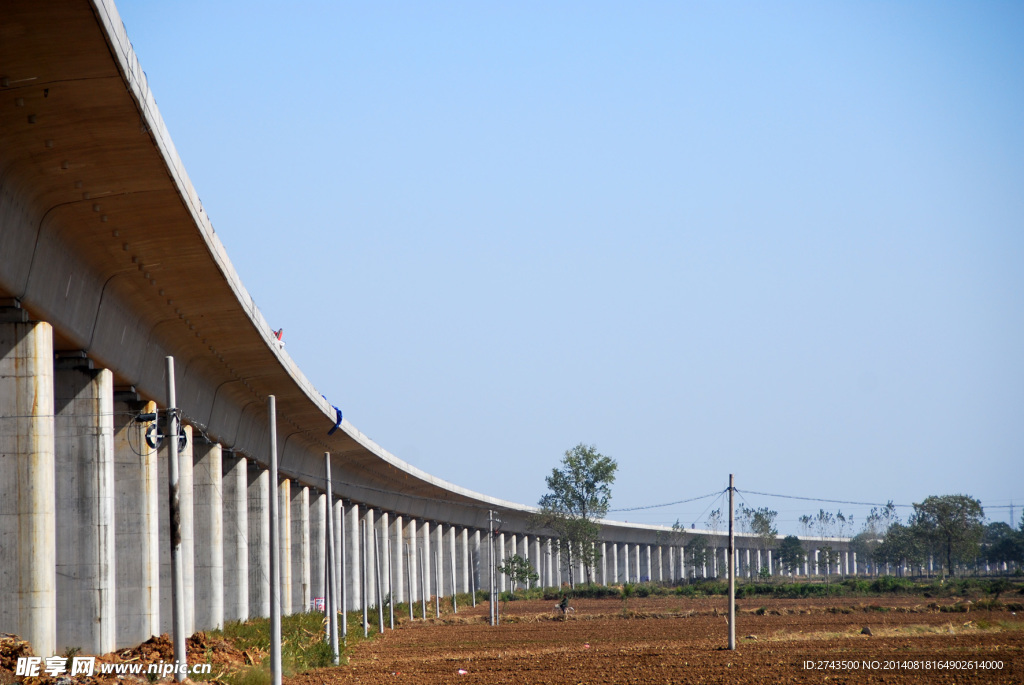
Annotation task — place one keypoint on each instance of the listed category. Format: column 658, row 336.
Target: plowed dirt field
column 680, row 640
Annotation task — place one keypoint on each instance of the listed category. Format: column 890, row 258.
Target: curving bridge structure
column 108, row 265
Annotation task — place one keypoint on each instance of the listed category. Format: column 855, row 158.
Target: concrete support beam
column 380, row 539
column 538, row 557
column 284, row 544
column 547, row 574
column 259, row 541
column 439, row 567
column 475, row 552
column 348, row 554
column 318, row 546
column 208, row 509
column 369, row 557
column 398, row 559
column 413, row 560
column 28, row 604
column 448, row 568
column 428, row 560
column 499, row 559
column 463, row 551
column 236, row 537
column 84, row 446
column 300, row 550
column 136, row 521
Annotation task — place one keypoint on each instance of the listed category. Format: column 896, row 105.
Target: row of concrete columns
column 84, row 542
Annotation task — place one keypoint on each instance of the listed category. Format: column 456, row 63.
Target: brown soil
column 678, row 640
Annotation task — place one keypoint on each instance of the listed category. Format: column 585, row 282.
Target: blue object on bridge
column 337, row 424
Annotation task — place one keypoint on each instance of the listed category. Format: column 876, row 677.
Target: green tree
column 697, row 551
column 761, row 524
column 876, row 526
column 952, row 524
column 578, row 496
column 1002, row 544
column 519, row 570
column 902, row 544
column 715, row 523
column 674, row 538
column 792, row 553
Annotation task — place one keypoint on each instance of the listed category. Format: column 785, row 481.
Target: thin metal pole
column 423, row 586
column 344, row 576
column 362, row 570
column 174, row 495
column 455, row 606
column 391, row 581
column 490, row 565
column 332, row 588
column 437, row 583
column 732, row 565
column 408, row 577
column 472, row 581
column 376, row 573
column 275, row 558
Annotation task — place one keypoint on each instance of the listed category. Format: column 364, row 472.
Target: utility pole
column 732, row 564
column 275, row 553
column 380, row 589
column 490, row 560
column 332, row 589
column 174, row 493
column 408, row 579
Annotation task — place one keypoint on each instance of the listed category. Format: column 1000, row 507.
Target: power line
column 668, row 504
column 828, row 501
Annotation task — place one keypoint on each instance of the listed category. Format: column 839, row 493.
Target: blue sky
column 782, row 240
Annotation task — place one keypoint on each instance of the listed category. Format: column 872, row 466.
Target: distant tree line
column 944, row 534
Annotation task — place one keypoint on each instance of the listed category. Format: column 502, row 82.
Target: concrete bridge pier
column 499, row 559
column 428, row 560
column 398, row 558
column 448, row 567
column 236, row 536
column 383, row 552
column 300, row 549
column 369, row 558
column 415, row 593
column 350, row 575
column 475, row 561
column 85, row 554
column 28, row 604
column 284, row 544
column 464, row 562
column 318, row 546
column 209, row 543
column 136, row 521
column 259, row 541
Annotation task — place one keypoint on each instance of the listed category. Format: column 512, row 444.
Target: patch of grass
column 249, row 675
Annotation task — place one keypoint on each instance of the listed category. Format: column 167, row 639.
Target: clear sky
column 781, row 240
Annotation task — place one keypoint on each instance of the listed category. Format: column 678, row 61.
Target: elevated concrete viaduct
column 109, row 264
